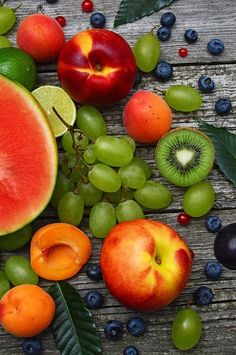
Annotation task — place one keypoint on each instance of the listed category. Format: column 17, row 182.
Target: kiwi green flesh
column 185, row 156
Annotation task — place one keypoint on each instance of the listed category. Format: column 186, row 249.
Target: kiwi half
column 185, row 156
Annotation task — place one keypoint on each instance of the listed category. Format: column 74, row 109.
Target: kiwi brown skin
column 193, row 172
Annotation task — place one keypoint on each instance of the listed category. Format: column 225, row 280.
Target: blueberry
column 190, row 35
column 215, row 46
column 163, row 33
column 213, row 224
column 93, row 299
column 131, row 350
column 223, row 106
column 206, row 84
column 138, row 78
column 136, row 326
column 163, row 71
column 93, row 271
column 113, row 329
column 213, row 270
column 203, row 296
column 97, row 20
column 168, row 19
column 32, row 346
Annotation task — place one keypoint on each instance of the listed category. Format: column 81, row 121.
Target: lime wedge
column 50, row 96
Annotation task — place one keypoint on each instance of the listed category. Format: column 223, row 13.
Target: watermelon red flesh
column 28, row 158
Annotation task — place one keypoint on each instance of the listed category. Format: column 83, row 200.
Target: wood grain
column 212, row 19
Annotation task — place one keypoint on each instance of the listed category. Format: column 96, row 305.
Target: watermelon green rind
column 28, row 157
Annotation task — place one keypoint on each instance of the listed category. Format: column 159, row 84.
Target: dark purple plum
column 225, row 246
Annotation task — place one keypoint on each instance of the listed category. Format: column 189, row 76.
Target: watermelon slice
column 28, row 157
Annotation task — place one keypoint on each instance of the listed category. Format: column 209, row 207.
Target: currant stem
column 154, row 28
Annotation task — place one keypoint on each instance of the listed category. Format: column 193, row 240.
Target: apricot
column 40, row 36
column 58, row 251
column 26, row 310
column 147, row 117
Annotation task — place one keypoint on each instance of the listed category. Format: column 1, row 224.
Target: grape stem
column 69, row 127
column 16, row 8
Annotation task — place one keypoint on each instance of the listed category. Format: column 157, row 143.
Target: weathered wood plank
column 211, row 19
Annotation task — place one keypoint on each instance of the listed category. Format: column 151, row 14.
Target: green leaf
column 225, row 149
column 131, row 10
column 73, row 326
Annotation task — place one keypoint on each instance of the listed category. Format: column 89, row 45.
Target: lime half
column 50, row 97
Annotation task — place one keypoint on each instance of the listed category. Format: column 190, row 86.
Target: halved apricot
column 58, row 251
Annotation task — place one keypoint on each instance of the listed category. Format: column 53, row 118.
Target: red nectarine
column 145, row 264
column 97, row 67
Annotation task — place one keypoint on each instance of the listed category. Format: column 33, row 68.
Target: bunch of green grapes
column 103, row 173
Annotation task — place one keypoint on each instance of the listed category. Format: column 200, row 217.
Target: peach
column 147, row 117
column 58, row 251
column 26, row 310
column 40, row 36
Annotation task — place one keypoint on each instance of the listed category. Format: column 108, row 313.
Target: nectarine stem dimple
column 158, row 260
column 99, row 67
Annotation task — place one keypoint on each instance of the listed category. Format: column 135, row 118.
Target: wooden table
column 212, row 19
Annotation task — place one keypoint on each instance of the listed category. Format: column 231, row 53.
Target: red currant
column 87, row 6
column 61, row 20
column 183, row 52
column 184, row 219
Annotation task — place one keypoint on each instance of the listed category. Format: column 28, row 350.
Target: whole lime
column 19, row 66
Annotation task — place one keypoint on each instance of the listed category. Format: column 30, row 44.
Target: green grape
column 16, row 239
column 91, row 122
column 75, row 176
column 102, row 218
column 90, row 194
column 7, row 19
column 70, row 208
column 89, row 155
column 147, row 52
column 104, row 178
column 4, row 284
column 113, row 151
column 120, row 195
column 131, row 142
column 69, row 144
column 132, row 176
column 137, row 161
column 63, row 185
column 71, row 161
column 153, row 195
column 4, row 42
column 128, row 211
column 199, row 199
column 64, row 168
column 19, row 271
column 183, row 98
column 186, row 329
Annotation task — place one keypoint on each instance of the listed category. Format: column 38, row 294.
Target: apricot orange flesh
column 58, row 251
